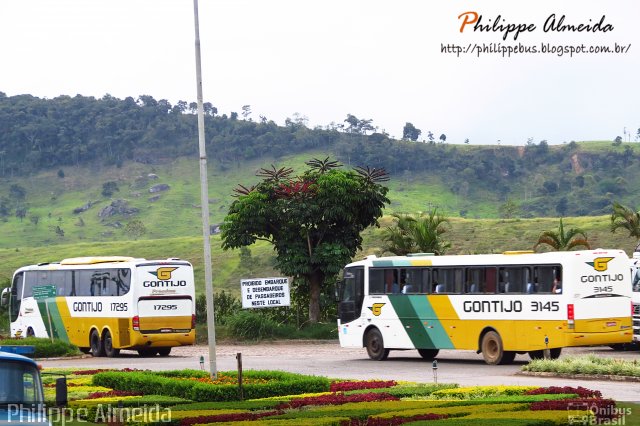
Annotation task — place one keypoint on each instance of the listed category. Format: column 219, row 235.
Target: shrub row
column 44, row 348
column 278, row 383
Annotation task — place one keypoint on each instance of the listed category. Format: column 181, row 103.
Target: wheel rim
column 108, row 344
column 94, row 342
column 375, row 345
column 491, row 348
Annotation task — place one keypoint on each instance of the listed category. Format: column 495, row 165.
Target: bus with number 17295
column 499, row 305
column 103, row 304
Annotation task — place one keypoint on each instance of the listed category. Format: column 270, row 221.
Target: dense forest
column 572, row 179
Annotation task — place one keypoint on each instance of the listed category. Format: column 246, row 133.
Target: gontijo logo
column 600, row 264
column 163, row 273
column 376, row 308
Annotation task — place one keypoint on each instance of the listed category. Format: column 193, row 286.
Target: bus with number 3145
column 499, row 305
column 104, row 304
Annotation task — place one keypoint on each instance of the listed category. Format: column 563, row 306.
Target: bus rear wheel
column 553, row 354
column 375, row 345
column 164, row 351
column 109, row 350
column 493, row 350
column 428, row 354
column 97, row 349
column 147, row 352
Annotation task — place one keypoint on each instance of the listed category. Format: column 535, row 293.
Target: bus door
column 166, row 298
column 351, row 295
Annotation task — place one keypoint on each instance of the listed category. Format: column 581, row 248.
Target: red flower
column 337, row 399
column 580, row 391
column 373, row 384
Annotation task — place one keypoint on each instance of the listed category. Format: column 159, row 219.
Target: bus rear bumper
column 141, row 340
column 599, row 339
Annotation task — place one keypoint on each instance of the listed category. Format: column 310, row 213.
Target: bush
column 276, row 383
column 225, row 303
column 249, row 325
column 44, row 348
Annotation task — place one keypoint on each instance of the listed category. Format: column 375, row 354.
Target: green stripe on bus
column 413, row 312
column 58, row 332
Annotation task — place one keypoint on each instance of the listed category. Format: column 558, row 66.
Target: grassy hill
column 51, row 230
column 467, row 236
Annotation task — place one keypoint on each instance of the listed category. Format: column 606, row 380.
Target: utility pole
column 204, row 201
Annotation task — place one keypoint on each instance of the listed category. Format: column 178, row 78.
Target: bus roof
column 8, row 356
column 91, row 260
column 511, row 257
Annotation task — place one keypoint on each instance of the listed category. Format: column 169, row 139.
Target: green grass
column 466, row 235
column 586, row 364
column 44, row 348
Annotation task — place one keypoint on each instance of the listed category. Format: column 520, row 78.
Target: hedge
column 169, row 383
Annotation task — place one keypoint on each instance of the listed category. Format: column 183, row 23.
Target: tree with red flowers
column 314, row 220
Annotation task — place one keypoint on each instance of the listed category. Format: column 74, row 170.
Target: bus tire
column 375, row 345
column 107, row 342
column 536, row 354
column 555, row 353
column 493, row 350
column 164, row 351
column 428, row 354
column 30, row 332
column 97, row 349
column 145, row 353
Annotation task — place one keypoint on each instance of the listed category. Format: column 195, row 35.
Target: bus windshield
column 20, row 384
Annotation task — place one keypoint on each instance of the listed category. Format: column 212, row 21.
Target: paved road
column 326, row 358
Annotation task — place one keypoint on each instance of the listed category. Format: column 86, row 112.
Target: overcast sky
column 324, row 59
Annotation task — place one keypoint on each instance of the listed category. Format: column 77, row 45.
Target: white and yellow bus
column 105, row 304
column 496, row 304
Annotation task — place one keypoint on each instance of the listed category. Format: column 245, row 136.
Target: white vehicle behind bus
column 106, row 303
column 635, row 298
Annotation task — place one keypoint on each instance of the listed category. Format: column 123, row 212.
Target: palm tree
column 625, row 218
column 561, row 241
column 397, row 238
column 417, row 234
column 427, row 233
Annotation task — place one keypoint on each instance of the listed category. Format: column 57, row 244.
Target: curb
column 63, row 358
column 608, row 377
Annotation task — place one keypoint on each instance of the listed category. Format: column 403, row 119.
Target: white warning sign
column 265, row 292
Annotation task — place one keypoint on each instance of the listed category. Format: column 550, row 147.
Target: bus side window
column 490, row 278
column 376, row 281
column 425, row 281
column 545, row 275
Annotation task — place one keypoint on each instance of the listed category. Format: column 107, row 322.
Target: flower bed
column 339, row 403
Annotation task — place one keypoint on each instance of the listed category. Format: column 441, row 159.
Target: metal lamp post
column 204, row 200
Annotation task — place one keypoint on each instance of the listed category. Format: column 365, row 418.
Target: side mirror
column 4, row 300
column 338, row 289
column 61, row 392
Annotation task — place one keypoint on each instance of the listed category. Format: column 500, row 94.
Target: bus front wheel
column 109, row 350
column 493, row 350
column 375, row 345
column 428, row 354
column 97, row 349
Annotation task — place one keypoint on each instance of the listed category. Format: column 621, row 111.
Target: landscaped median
column 189, row 397
column 589, row 365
